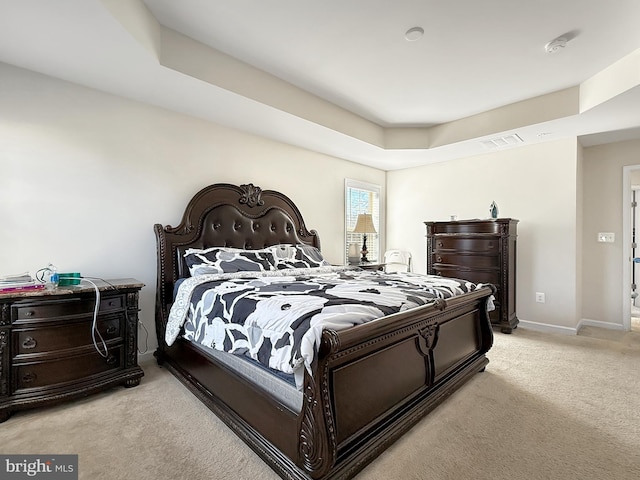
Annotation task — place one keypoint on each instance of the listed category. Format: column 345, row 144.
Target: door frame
column 626, row 245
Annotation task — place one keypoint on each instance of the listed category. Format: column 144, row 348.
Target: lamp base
column 364, row 250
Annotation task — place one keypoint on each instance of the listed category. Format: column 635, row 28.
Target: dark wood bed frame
column 371, row 383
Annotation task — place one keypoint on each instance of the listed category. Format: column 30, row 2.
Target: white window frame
column 375, row 242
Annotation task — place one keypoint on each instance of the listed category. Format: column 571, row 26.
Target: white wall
column 85, row 175
column 602, row 262
column 534, row 184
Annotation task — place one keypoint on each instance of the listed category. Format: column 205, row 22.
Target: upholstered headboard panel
column 224, row 215
column 226, row 226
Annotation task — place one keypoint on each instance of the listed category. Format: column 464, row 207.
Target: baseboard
column 587, row 322
column 547, row 328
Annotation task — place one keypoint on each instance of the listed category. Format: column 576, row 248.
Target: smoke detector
column 414, row 34
column 556, row 45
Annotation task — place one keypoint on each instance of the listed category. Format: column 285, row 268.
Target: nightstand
column 47, row 351
column 370, row 265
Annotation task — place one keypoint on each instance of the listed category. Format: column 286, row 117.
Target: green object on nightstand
column 68, row 279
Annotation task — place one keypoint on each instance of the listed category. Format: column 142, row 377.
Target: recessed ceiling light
column 414, row 34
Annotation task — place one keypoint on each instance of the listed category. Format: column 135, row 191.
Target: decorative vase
column 493, row 210
column 354, row 255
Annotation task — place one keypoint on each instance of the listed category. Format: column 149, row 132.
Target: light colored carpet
column 547, row 407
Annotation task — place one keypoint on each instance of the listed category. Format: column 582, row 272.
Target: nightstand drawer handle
column 29, row 343
column 438, row 259
column 111, row 360
column 29, row 377
column 440, row 244
column 29, row 313
column 112, row 329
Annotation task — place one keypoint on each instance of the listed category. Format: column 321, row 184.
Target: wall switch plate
column 539, row 297
column 606, row 237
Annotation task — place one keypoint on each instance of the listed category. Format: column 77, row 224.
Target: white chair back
column 397, row 261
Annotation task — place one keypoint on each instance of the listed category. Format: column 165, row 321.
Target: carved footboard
column 373, row 382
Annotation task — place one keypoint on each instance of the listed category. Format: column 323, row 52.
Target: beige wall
column 535, row 184
column 85, row 175
column 603, row 212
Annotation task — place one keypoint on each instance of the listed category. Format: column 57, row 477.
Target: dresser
column 482, row 251
column 47, row 349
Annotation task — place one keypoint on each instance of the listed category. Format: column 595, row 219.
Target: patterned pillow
column 227, row 260
column 297, row 256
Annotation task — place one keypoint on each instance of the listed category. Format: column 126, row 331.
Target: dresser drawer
column 466, row 227
column 37, row 374
column 28, row 341
column 458, row 244
column 473, row 275
column 476, row 261
column 67, row 308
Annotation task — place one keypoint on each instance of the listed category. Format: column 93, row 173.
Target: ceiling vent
column 501, row 142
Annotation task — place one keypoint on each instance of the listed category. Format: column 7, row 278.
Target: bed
column 362, row 388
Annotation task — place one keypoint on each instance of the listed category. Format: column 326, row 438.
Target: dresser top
column 475, row 220
column 103, row 285
column 473, row 227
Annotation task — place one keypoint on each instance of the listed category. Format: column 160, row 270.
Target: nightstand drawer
column 28, row 341
column 36, row 374
column 67, row 308
column 467, row 244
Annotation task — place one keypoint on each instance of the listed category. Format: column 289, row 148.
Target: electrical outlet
column 539, row 297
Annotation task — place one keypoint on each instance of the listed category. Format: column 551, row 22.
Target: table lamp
column 364, row 225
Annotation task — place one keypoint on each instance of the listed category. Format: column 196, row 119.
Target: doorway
column 631, row 248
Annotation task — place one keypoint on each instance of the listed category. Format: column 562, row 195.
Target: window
column 360, row 198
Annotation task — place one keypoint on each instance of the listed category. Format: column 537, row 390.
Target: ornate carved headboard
column 225, row 215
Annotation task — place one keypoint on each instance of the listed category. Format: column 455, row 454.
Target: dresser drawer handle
column 439, row 244
column 29, row 377
column 29, row 313
column 112, row 329
column 112, row 360
column 438, row 259
column 29, row 343
column 111, row 304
